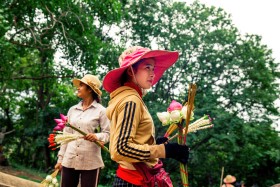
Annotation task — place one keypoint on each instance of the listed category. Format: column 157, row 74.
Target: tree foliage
column 32, row 80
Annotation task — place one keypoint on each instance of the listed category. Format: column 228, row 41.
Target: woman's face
column 145, row 73
column 83, row 91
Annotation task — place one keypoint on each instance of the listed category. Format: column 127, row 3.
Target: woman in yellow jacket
column 132, row 129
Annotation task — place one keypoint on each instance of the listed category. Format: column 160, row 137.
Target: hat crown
column 229, row 179
column 129, row 55
column 92, row 80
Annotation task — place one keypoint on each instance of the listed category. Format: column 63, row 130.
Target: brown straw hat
column 229, row 179
column 92, row 81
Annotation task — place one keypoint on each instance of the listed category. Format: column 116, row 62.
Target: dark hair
column 135, row 66
column 94, row 95
column 125, row 76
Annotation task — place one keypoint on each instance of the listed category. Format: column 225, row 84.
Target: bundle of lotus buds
column 50, row 180
column 60, row 125
column 176, row 114
column 59, row 138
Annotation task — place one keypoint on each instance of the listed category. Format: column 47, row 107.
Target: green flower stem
column 83, row 133
column 183, row 168
column 184, row 174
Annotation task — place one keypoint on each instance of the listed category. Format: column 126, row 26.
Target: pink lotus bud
column 58, row 128
column 58, row 121
column 174, row 105
column 61, row 125
column 64, row 118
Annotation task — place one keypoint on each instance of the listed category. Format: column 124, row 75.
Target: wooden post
column 222, row 176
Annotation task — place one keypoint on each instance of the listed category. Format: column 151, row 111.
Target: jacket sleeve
column 123, row 147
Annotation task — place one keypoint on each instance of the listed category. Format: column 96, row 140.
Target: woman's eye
column 149, row 67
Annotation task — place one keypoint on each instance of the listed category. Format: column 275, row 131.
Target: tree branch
column 9, row 132
column 40, row 78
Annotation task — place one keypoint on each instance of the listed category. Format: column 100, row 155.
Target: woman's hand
column 161, row 140
column 91, row 137
column 58, row 166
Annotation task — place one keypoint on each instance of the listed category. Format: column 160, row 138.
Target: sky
column 259, row 17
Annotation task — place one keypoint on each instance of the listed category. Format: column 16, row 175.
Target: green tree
column 236, row 78
column 32, row 32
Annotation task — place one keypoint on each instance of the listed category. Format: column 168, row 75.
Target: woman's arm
column 124, row 146
column 104, row 133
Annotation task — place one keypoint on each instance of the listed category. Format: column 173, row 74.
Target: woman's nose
column 152, row 73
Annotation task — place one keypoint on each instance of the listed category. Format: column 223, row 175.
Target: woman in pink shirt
column 81, row 159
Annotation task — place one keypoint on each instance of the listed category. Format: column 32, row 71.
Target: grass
column 28, row 173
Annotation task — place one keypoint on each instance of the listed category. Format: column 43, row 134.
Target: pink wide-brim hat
column 163, row 60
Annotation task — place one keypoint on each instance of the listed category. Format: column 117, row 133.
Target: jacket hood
column 117, row 96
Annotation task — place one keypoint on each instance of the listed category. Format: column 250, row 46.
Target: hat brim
column 227, row 185
column 77, row 82
column 230, row 179
column 163, row 60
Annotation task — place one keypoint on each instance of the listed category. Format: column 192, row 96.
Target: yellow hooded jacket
column 132, row 130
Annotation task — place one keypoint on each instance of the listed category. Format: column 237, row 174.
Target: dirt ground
column 22, row 174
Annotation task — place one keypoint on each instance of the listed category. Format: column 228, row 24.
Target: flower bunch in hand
column 59, row 138
column 180, row 117
column 62, row 123
column 174, row 116
column 50, row 180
